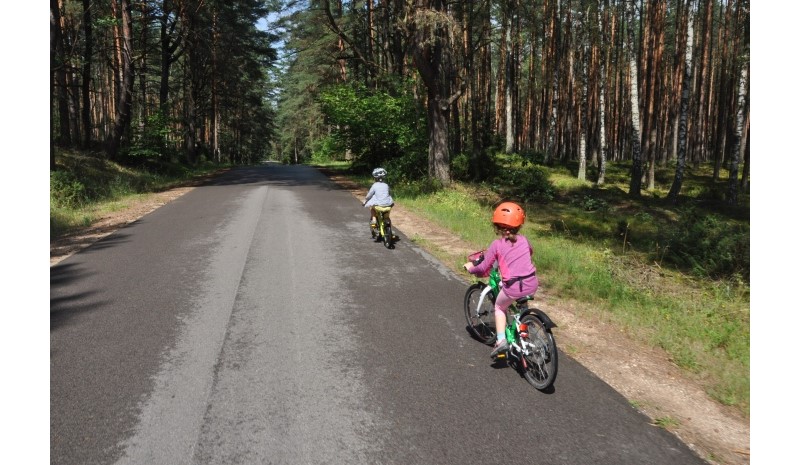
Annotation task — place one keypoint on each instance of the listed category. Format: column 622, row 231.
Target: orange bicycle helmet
column 509, row 214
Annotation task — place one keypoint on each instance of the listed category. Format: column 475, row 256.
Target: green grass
column 620, row 274
column 84, row 187
column 667, row 423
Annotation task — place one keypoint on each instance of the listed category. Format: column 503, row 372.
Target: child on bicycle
column 513, row 254
column 378, row 195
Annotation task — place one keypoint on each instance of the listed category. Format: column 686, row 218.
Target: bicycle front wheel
column 540, row 366
column 480, row 313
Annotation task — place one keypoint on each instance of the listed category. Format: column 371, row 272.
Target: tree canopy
column 560, row 81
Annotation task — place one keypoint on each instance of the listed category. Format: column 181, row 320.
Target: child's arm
column 370, row 193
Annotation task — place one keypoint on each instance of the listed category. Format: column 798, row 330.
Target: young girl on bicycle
column 378, row 194
column 513, row 254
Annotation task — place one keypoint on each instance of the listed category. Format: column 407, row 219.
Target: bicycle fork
column 485, row 292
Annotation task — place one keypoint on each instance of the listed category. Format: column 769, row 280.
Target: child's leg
column 501, row 304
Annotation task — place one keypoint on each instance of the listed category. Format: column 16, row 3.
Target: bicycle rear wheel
column 480, row 319
column 388, row 236
column 540, row 366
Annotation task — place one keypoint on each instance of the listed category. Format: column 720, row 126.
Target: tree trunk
column 744, row 184
column 584, row 119
column 123, row 114
column 438, row 152
column 86, row 80
column 742, row 110
column 430, row 42
column 509, row 84
column 657, row 16
column 193, row 83
column 53, row 26
column 636, row 141
column 171, row 41
column 553, row 53
column 59, row 69
column 675, row 190
column 601, row 165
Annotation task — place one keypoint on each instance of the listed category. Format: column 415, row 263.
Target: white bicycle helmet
column 379, row 173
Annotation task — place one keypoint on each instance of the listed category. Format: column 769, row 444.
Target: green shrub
column 709, row 246
column 590, row 204
column 66, row 190
column 407, row 168
column 413, row 188
column 150, row 138
column 459, row 167
column 525, row 183
column 376, row 125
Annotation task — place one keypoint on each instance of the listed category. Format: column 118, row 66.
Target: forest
column 459, row 91
column 648, row 82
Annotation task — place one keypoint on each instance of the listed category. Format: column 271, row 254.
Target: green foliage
column 82, row 181
column 325, row 150
column 474, row 167
column 150, row 138
column 521, row 180
column 66, row 190
column 591, row 204
column 377, row 126
column 413, row 188
column 408, row 167
column 460, row 166
column 666, row 422
column 708, row 245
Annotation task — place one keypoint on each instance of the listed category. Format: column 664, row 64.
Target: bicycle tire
column 388, row 236
column 541, row 361
column 480, row 322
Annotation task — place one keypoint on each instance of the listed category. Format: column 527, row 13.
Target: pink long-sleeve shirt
column 514, row 260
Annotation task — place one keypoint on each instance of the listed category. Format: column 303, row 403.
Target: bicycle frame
column 380, row 216
column 514, row 327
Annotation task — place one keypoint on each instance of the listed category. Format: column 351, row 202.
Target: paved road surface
column 253, row 321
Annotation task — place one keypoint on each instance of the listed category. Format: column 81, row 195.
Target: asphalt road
column 254, row 321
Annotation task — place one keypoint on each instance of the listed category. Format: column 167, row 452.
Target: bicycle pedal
column 500, row 356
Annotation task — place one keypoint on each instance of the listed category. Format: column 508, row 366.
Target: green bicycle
column 532, row 347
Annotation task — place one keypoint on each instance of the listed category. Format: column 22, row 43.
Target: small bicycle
column 382, row 231
column 532, row 347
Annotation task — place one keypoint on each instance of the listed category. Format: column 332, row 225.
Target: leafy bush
column 526, row 183
column 66, row 190
column 150, row 138
column 590, row 204
column 408, row 167
column 377, row 126
column 414, row 188
column 709, row 246
column 326, row 149
column 476, row 167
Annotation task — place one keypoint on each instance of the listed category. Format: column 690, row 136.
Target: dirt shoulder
column 645, row 376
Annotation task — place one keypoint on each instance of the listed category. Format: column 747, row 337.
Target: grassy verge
column 582, row 254
column 84, row 188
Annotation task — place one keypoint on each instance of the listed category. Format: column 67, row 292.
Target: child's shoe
column 499, row 348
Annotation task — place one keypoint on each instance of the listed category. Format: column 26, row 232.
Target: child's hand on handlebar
column 468, row 266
